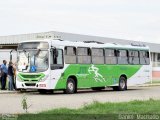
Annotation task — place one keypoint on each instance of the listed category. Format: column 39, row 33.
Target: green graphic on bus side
column 96, row 75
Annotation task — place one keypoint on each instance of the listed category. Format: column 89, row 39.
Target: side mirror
column 17, row 58
column 10, row 57
column 37, row 53
column 11, row 53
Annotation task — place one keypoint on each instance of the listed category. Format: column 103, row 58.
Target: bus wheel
column 71, row 86
column 122, row 84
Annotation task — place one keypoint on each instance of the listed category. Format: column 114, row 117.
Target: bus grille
column 30, row 84
column 30, row 77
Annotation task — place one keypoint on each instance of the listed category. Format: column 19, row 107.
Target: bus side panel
column 143, row 75
column 57, row 78
column 96, row 75
column 112, row 73
column 130, row 71
column 104, row 75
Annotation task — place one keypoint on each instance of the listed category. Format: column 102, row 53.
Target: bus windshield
column 32, row 60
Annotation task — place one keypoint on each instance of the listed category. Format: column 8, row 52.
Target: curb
column 148, row 85
column 12, row 92
column 7, row 92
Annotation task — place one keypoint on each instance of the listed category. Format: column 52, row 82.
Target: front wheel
column 71, row 86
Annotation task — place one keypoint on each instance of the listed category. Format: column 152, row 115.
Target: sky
column 137, row 20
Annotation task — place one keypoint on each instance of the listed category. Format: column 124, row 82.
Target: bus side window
column 110, row 56
column 70, row 55
column 122, row 57
column 133, row 57
column 144, row 58
column 56, row 59
column 97, row 55
column 83, row 55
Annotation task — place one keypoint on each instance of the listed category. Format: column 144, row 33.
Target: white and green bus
column 49, row 65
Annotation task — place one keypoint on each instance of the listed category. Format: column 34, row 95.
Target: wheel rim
column 122, row 84
column 70, row 86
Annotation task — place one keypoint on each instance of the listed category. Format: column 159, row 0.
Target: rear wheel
column 122, row 84
column 71, row 86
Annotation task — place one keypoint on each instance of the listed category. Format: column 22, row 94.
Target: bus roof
column 92, row 44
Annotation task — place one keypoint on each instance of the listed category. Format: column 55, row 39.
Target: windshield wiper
column 38, row 51
column 36, row 54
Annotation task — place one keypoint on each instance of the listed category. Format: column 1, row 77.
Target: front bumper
column 32, row 85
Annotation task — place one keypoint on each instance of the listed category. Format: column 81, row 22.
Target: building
column 10, row 42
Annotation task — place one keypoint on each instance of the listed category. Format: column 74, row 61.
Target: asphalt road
column 11, row 102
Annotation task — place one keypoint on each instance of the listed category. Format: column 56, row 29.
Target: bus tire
column 122, row 84
column 70, row 86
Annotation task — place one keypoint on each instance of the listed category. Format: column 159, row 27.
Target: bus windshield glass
column 33, row 57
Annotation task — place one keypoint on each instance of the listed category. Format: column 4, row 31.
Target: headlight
column 44, row 78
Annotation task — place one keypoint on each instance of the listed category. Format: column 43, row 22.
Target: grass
column 98, row 111
column 147, row 107
column 156, row 81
